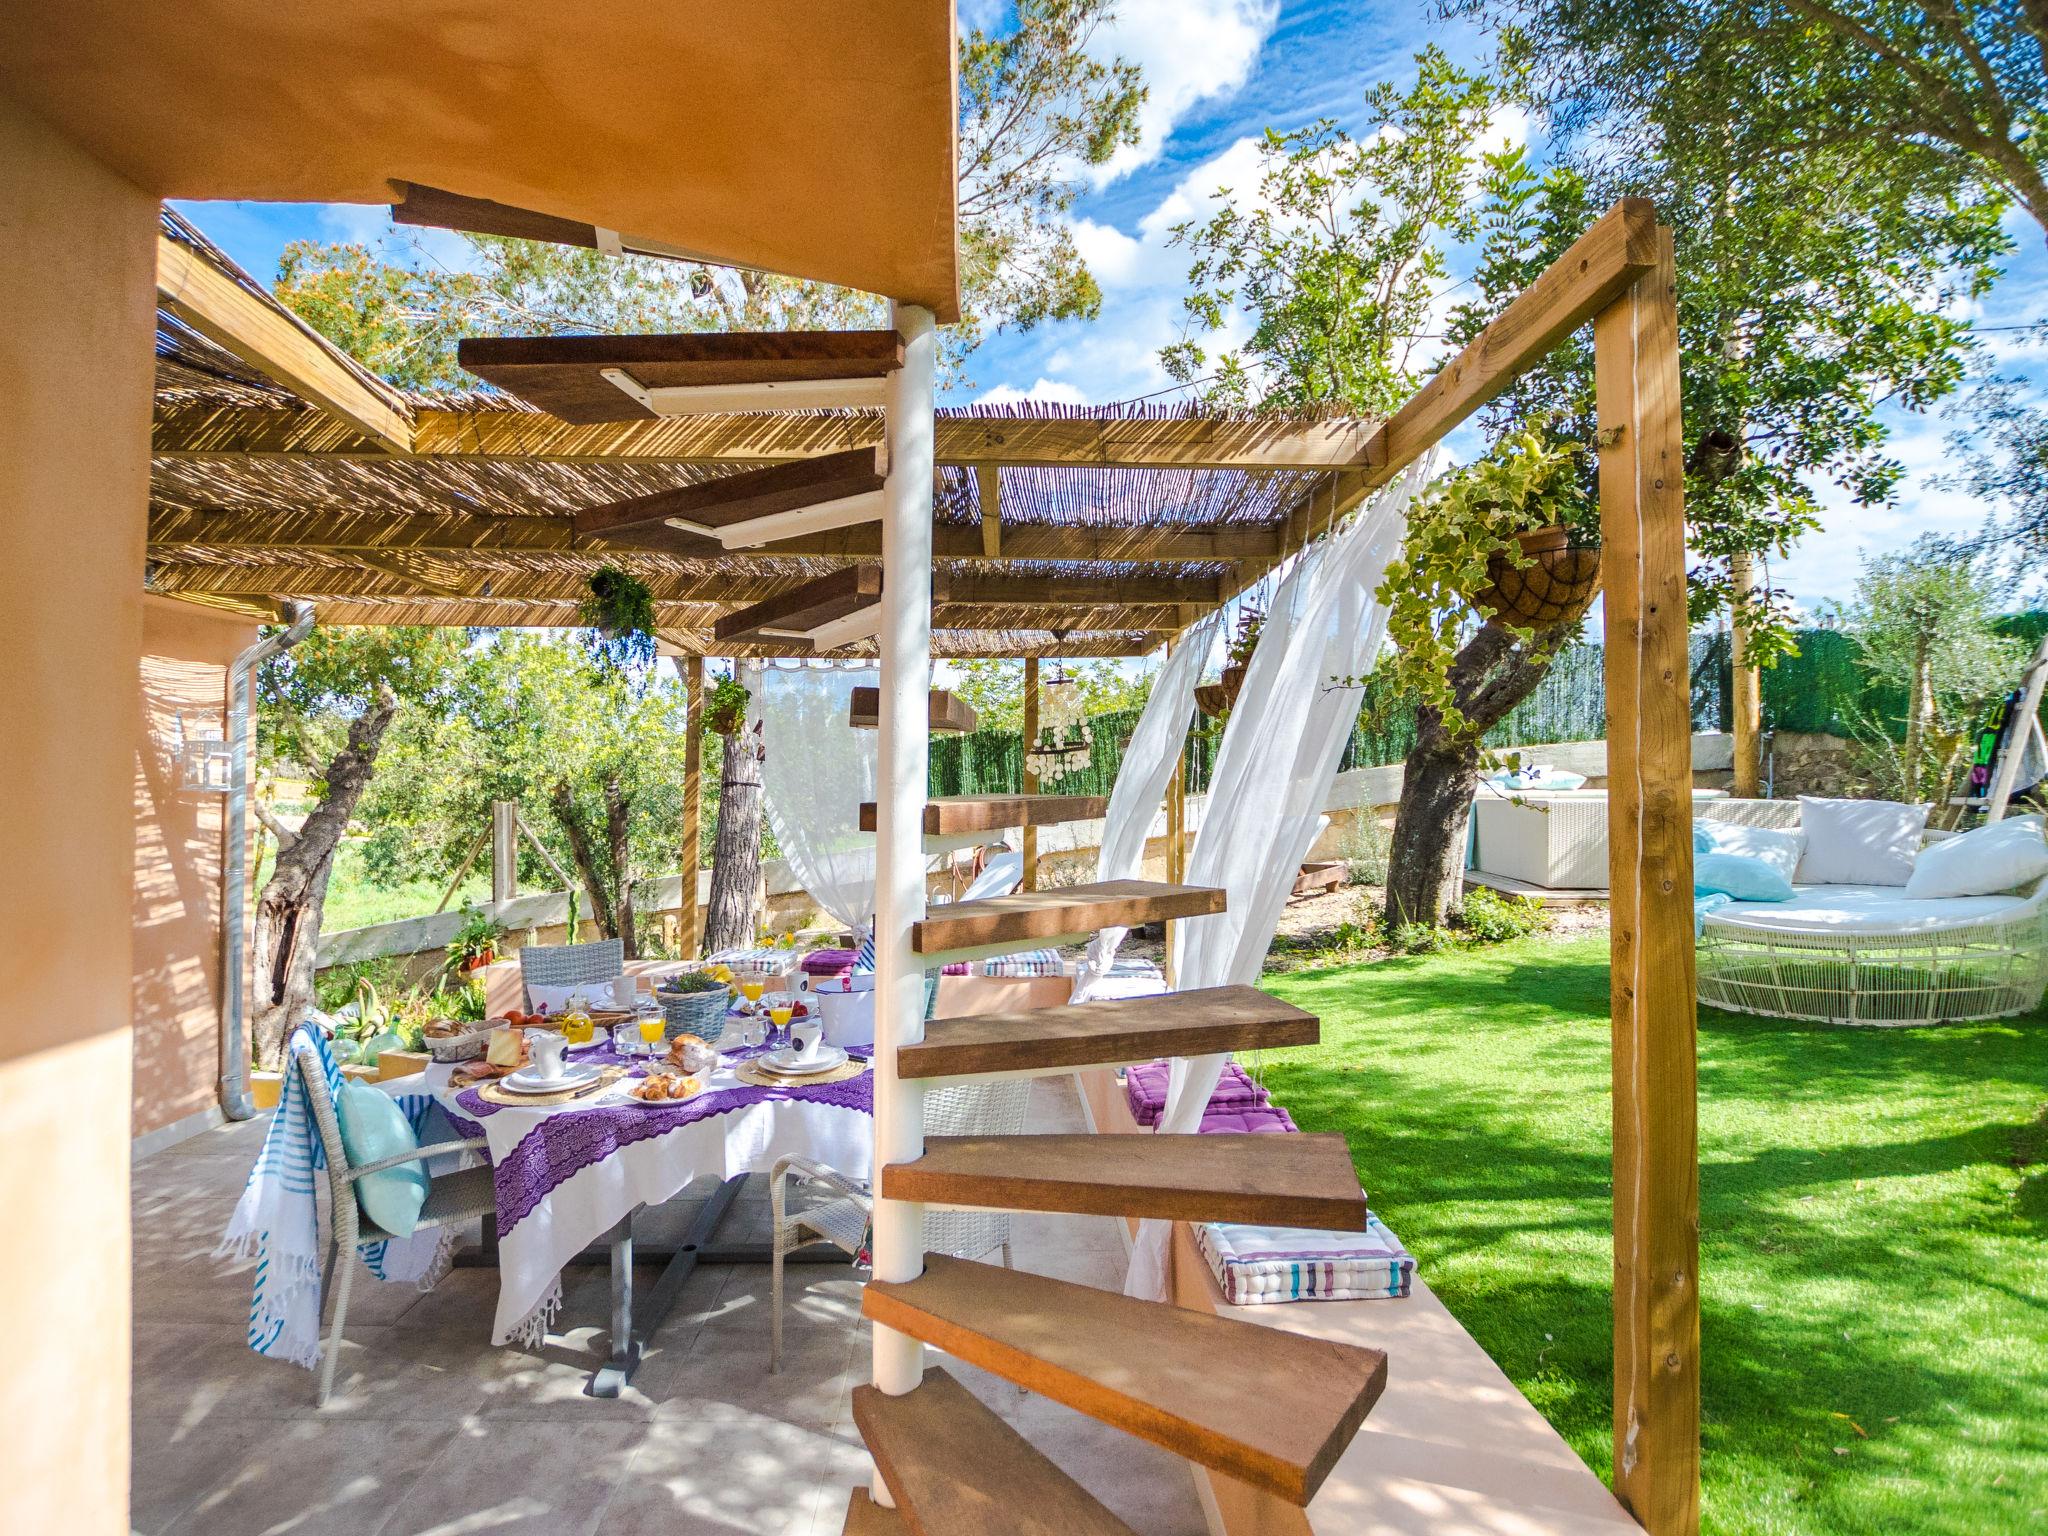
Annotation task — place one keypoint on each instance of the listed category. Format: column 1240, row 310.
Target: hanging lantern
column 1064, row 736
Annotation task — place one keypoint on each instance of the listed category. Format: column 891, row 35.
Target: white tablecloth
column 570, row 1173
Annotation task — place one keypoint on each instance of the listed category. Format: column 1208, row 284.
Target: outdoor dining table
column 569, row 1175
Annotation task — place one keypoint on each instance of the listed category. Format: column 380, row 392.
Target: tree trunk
column 286, row 943
column 1489, row 676
column 605, row 903
column 1426, row 856
column 733, row 915
column 1919, row 715
column 617, row 814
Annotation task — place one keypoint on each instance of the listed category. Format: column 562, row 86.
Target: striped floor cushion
column 1258, row 1265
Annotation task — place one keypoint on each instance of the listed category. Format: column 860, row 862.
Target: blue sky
column 1220, row 72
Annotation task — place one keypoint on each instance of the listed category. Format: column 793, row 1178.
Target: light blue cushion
column 373, row 1127
column 1738, row 875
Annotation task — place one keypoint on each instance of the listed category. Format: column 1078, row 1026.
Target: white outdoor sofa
column 1866, row 954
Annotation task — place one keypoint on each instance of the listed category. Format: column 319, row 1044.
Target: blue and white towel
column 1712, row 901
column 277, row 1219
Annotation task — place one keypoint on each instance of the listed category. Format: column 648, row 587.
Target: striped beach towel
column 1257, row 1265
column 277, row 1219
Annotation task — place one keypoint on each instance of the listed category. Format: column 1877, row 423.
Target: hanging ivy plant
column 725, row 706
column 1460, row 526
column 619, row 613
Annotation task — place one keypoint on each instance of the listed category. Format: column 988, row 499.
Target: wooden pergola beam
column 767, row 437
column 835, row 596
column 747, row 495
column 282, row 348
column 322, row 530
column 399, row 574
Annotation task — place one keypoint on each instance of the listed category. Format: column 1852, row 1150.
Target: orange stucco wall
column 179, row 841
column 77, row 302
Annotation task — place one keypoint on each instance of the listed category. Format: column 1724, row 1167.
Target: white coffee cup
column 548, row 1048
column 625, row 991
column 806, row 1033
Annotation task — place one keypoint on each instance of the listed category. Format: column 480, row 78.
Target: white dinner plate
column 792, row 1063
column 526, row 1080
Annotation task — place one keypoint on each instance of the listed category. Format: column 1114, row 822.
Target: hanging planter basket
column 1556, row 586
column 1213, row 700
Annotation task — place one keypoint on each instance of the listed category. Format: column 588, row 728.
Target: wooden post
column 1746, row 690
column 1030, row 778
column 689, row 915
column 504, row 851
column 1649, row 812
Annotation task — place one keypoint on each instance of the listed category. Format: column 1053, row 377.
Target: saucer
column 526, row 1080
column 793, row 1063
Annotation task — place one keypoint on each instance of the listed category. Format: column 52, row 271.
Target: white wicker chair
column 963, row 1109
column 462, row 1196
column 1975, row 967
column 570, row 965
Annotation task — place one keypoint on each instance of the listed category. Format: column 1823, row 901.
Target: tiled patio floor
column 433, row 1432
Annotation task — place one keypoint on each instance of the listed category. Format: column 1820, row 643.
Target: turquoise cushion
column 1738, row 875
column 373, row 1127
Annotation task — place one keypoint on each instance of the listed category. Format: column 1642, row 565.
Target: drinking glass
column 780, row 1016
column 652, row 1026
column 751, row 990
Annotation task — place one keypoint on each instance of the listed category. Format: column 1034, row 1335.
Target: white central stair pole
column 906, row 654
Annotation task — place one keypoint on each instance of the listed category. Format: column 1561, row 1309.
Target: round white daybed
column 1866, row 954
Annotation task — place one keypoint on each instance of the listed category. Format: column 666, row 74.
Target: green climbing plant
column 1466, row 519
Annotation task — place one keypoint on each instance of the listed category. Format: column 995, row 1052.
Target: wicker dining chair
column 963, row 1109
column 569, row 965
column 452, row 1198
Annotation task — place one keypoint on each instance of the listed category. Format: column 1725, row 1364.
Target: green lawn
column 1874, row 1227
column 354, row 901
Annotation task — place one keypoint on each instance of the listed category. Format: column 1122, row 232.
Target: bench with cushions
column 1881, row 926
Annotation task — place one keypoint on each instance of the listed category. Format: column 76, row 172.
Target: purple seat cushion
column 1258, row 1118
column 828, row 962
column 1145, row 1090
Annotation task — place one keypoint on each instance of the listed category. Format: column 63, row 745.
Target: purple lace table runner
column 569, row 1140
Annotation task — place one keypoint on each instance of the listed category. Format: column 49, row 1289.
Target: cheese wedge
column 507, row 1048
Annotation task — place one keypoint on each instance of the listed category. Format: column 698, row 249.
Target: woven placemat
column 750, row 1072
column 497, row 1093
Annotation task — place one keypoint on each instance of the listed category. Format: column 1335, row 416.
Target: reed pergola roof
column 283, row 470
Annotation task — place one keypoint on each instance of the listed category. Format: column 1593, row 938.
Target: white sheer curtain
column 1141, row 782
column 817, row 772
column 1273, row 775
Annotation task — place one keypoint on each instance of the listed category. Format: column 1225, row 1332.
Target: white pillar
column 906, row 655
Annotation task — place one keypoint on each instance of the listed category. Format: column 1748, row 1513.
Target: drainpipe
column 235, row 1102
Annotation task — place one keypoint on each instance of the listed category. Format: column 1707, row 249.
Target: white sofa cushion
column 1859, row 842
column 1981, row 863
column 1870, row 909
column 1780, row 850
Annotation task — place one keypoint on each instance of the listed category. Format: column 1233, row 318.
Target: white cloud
column 1191, row 51
column 1050, row 391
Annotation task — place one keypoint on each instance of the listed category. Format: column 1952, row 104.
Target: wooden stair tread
column 1265, row 1406
column 1124, row 1029
column 864, row 1517
column 948, row 713
column 953, row 1466
column 1273, row 1180
column 953, row 815
column 1038, row 917
column 561, row 374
